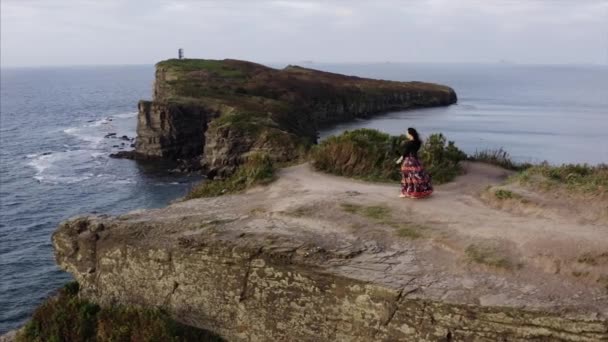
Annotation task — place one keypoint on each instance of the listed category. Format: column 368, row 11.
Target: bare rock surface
column 323, row 258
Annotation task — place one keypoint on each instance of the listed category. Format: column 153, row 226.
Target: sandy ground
column 458, row 245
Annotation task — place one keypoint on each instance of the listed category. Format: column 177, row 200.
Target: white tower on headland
column 180, row 53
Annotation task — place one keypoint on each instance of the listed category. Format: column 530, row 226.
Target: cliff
column 215, row 112
column 316, row 257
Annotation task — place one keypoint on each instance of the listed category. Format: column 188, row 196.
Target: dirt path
column 452, row 246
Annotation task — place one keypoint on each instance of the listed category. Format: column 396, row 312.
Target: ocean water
column 557, row 114
column 54, row 165
column 54, row 154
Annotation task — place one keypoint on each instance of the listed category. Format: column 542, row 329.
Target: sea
column 58, row 126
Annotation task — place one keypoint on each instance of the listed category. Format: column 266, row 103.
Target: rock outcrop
column 219, row 111
column 293, row 262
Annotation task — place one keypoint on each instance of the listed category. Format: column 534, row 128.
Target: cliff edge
column 215, row 112
column 313, row 257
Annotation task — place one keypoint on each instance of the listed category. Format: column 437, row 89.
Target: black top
column 411, row 148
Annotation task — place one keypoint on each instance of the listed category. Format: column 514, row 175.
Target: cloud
column 41, row 32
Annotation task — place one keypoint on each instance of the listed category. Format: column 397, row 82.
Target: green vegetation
column 580, row 274
column 66, row 317
column 258, row 170
column 410, row 231
column 503, row 194
column 376, row 212
column 603, row 280
column 593, row 259
column 499, row 158
column 218, row 67
column 370, row 155
column 441, row 158
column 382, row 215
column 579, row 179
column 301, row 211
column 488, row 255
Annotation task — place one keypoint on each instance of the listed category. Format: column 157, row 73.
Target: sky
column 100, row 32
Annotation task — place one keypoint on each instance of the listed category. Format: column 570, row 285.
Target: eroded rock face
column 171, row 130
column 272, row 288
column 287, row 105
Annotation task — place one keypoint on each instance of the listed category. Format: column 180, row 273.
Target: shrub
column 498, row 157
column 441, row 158
column 370, row 155
column 259, row 169
column 66, row 317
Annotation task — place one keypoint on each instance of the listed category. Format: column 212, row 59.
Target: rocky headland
column 311, row 256
column 314, row 257
column 212, row 113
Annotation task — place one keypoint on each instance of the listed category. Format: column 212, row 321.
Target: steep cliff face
column 171, row 130
column 249, row 289
column 259, row 104
column 312, row 257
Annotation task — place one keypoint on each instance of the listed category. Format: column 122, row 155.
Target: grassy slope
column 66, row 317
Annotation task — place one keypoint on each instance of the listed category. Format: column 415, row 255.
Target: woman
column 415, row 182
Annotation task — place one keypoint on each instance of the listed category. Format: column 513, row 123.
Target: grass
column 579, row 179
column 487, row 255
column 409, row 231
column 382, row 214
column 218, row 67
column 375, row 212
column 498, row 157
column 258, row 170
column 66, row 317
column 503, row 194
column 368, row 154
column 301, row 212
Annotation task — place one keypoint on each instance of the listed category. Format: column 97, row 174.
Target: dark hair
column 414, row 133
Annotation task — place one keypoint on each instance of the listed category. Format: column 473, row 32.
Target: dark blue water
column 54, row 164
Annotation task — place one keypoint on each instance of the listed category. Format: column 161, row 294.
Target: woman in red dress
column 415, row 181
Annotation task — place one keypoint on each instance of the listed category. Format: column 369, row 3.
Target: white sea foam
column 89, row 159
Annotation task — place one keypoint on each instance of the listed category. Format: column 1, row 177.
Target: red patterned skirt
column 415, row 181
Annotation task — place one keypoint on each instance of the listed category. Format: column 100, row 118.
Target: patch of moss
column 603, row 280
column 370, row 155
column 593, row 259
column 488, row 255
column 258, row 170
column 351, row 208
column 382, row 215
column 409, row 231
column 503, row 194
column 66, row 317
column 301, row 212
column 376, row 212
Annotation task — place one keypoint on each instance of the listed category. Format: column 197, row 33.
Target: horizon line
column 304, row 62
